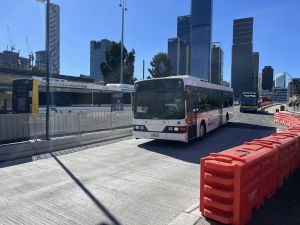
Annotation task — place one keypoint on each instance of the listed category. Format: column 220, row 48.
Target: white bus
column 179, row 108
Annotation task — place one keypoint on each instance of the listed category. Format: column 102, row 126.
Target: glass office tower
column 201, row 29
column 242, row 57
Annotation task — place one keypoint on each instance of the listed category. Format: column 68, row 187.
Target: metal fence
column 22, row 126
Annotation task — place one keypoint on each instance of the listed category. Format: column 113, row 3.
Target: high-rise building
column 177, row 53
column 184, row 28
column 280, row 95
column 242, row 56
column 54, row 38
column 255, row 61
column 217, row 64
column 184, row 34
column 97, row 56
column 267, row 78
column 13, row 60
column 201, row 31
column 259, row 83
column 281, row 80
column 294, row 87
column 41, row 61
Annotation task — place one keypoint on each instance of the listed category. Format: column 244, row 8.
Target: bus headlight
column 139, row 127
column 175, row 129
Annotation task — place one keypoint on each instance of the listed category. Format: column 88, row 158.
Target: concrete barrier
column 31, row 148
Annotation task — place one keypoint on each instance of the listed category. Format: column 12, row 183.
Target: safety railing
column 238, row 180
column 22, row 126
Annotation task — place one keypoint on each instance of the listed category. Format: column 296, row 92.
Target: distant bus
column 249, row 102
column 179, row 108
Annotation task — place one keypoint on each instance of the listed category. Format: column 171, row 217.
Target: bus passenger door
column 191, row 116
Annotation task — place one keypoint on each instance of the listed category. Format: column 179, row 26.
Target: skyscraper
column 281, row 80
column 259, row 83
column 177, row 53
column 201, row 29
column 183, row 28
column 267, row 78
column 255, row 61
column 41, row 60
column 54, row 38
column 97, row 56
column 294, row 87
column 184, row 34
column 242, row 56
column 217, row 64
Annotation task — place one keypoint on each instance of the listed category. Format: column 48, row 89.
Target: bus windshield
column 159, row 99
column 249, row 100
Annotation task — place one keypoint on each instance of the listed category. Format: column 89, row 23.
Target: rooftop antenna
column 12, row 46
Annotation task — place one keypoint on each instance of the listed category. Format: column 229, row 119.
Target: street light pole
column 48, row 65
column 123, row 8
column 48, row 68
column 143, row 69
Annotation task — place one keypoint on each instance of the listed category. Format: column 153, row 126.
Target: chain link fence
column 25, row 126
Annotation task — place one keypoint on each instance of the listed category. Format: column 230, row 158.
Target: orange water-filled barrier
column 238, row 180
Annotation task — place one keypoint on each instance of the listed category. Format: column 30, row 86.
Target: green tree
column 161, row 66
column 111, row 68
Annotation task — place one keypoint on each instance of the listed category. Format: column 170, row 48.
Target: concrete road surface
column 131, row 182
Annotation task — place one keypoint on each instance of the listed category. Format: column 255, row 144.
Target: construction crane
column 30, row 53
column 12, row 46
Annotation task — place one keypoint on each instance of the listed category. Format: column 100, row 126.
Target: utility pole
column 123, row 8
column 48, row 68
column 48, row 65
column 143, row 69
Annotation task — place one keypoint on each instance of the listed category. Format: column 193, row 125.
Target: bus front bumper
column 248, row 109
column 183, row 137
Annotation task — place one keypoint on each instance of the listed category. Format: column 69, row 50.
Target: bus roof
column 193, row 81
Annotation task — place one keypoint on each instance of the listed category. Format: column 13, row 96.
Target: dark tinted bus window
column 227, row 99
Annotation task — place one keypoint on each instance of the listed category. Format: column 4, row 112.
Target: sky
column 148, row 25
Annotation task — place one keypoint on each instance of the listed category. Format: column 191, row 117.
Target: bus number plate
column 154, row 134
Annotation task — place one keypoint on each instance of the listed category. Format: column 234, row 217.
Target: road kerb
column 189, row 216
column 192, row 207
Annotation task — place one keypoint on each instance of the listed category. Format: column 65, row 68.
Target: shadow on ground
column 234, row 134
column 100, row 206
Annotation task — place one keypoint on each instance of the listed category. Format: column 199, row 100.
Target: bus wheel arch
column 202, row 129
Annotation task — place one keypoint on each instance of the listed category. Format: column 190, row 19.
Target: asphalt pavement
column 130, row 182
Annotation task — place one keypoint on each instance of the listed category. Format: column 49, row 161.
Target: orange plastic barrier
column 288, row 148
column 236, row 181
column 296, row 131
column 287, row 119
